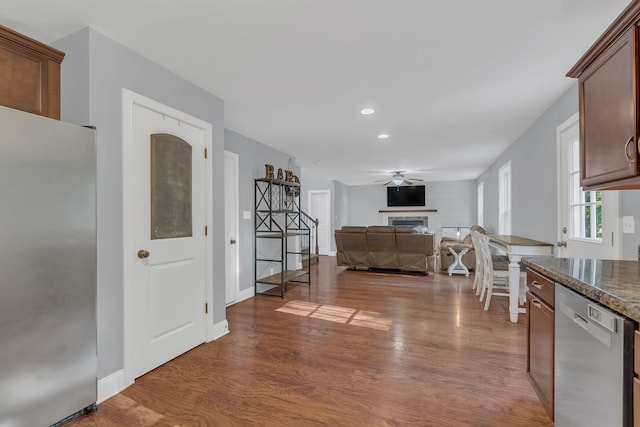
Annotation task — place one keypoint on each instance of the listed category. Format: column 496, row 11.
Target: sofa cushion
column 354, row 229
column 351, row 245
column 381, row 241
column 413, row 250
column 381, row 229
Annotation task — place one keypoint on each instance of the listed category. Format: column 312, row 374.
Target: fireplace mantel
column 429, row 216
column 406, row 210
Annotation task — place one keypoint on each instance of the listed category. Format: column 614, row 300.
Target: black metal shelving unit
column 278, row 219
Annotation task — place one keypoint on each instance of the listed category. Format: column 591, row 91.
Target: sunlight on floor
column 334, row 313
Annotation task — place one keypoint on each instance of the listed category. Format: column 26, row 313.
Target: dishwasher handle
column 581, row 321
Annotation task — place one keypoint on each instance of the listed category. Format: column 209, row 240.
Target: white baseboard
column 219, row 329
column 332, row 253
column 246, row 294
column 110, row 385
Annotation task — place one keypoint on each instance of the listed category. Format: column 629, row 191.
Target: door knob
column 561, row 244
column 232, row 241
column 143, row 254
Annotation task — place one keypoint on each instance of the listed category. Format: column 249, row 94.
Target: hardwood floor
column 356, row 349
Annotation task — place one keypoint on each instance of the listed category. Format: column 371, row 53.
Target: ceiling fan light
column 397, row 179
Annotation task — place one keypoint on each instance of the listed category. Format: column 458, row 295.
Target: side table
column 458, row 267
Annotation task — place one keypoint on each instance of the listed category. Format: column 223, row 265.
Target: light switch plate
column 246, row 214
column 628, row 224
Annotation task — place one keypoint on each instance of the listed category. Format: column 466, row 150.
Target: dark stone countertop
column 614, row 284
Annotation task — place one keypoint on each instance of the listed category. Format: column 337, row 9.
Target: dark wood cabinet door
column 29, row 74
column 540, row 350
column 608, row 112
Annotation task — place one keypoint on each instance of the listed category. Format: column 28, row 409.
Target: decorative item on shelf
column 290, row 177
column 269, row 171
column 280, row 174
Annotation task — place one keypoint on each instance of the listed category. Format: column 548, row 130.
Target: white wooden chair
column 494, row 282
column 477, row 277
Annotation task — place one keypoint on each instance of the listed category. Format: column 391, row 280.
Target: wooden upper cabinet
column 29, row 74
column 608, row 136
column 609, row 106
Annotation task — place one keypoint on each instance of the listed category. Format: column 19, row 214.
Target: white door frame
column 129, row 99
column 234, row 188
column 310, row 195
column 613, row 197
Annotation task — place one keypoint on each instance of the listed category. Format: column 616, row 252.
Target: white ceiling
column 454, row 82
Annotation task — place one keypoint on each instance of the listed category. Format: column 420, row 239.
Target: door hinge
column 206, row 308
column 206, row 230
column 205, row 153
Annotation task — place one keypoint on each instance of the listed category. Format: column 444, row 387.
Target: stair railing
column 314, row 231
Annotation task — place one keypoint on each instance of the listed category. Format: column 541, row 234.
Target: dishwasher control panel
column 602, row 317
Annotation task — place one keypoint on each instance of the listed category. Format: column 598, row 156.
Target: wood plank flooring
column 355, row 349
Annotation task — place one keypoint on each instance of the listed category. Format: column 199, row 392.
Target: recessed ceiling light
column 383, row 136
column 367, row 111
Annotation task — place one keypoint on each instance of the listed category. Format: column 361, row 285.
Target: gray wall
column 455, row 201
column 341, row 206
column 534, row 178
column 533, row 159
column 94, row 72
column 252, row 156
column 314, row 180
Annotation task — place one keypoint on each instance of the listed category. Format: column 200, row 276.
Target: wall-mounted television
column 409, row 195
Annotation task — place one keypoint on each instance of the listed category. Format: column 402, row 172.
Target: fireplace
column 409, row 221
column 411, row 218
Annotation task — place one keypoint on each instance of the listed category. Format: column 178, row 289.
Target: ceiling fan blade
column 410, row 181
column 386, row 183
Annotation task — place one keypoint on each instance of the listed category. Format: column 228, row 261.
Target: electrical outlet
column 628, row 224
column 246, row 214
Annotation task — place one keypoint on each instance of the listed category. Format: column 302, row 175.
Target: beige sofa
column 384, row 247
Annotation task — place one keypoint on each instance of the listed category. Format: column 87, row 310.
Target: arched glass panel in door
column 171, row 188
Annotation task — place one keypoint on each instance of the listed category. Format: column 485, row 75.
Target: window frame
column 504, row 199
column 481, row 204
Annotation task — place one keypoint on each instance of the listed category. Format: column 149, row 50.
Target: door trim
column 236, row 191
column 129, row 99
column 560, row 130
column 613, row 197
column 310, row 195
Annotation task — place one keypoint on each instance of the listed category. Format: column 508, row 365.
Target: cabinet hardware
column 626, row 150
column 537, row 284
column 536, row 303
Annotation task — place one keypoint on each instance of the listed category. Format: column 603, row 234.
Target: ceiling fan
column 398, row 179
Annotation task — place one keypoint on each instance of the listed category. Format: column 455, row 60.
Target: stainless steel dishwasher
column 593, row 363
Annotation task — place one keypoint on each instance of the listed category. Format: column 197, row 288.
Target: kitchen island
column 580, row 356
column 614, row 284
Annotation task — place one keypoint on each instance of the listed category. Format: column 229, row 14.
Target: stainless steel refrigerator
column 48, row 360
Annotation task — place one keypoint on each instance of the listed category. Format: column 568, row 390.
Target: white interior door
column 168, row 265
column 231, row 226
column 320, row 208
column 588, row 221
